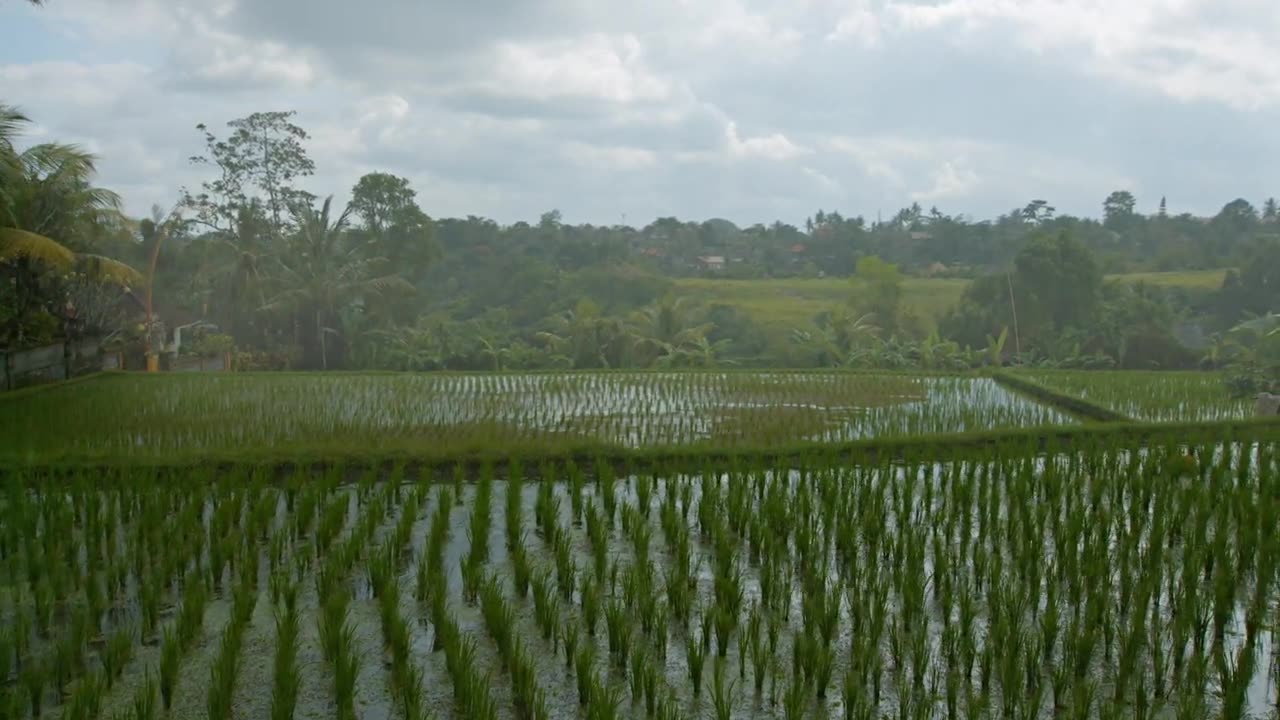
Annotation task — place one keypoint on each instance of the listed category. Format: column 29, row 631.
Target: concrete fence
column 51, row 363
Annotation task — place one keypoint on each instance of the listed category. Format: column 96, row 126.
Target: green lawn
column 782, row 305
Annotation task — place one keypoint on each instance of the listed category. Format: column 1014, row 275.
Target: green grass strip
column 1068, row 403
column 931, row 448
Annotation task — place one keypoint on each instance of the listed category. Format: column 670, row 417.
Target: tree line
column 287, row 278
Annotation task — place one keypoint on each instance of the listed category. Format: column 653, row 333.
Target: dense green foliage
column 369, row 281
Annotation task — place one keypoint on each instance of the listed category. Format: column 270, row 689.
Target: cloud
column 949, row 181
column 753, row 110
column 774, row 146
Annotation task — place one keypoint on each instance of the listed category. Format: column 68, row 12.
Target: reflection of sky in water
column 627, row 408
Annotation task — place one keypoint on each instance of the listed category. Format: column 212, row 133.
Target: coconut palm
column 321, row 270
column 48, row 211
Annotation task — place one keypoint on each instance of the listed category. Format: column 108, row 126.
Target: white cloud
column 1186, row 49
column 596, row 66
column 950, row 180
column 733, row 108
column 592, row 157
column 774, row 146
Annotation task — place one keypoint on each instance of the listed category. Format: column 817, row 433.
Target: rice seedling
column 722, row 693
column 584, row 674
column 695, row 655
column 569, row 637
column 618, row 624
column 286, row 679
column 223, row 672
column 144, row 699
column 116, row 654
column 34, row 681
column 86, row 699
column 170, row 658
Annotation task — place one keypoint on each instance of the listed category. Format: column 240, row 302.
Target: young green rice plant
column 459, row 477
column 566, row 570
column 520, row 569
column 383, row 566
column 617, row 620
column 609, row 498
column 546, row 606
column 515, row 508
column 6, row 654
column 346, row 669
column 722, row 693
column 287, row 675
column 144, row 699
column 824, row 665
column 170, row 658
column 796, row 699
column 695, row 656
column 35, row 678
column 570, row 633
column 644, row 494
column 592, row 599
column 726, row 622
column 499, row 618
column 584, row 673
column 605, row 701
column 86, row 699
column 639, row 666
column 116, row 654
column 222, row 674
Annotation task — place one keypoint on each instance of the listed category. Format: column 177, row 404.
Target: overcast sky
column 743, row 109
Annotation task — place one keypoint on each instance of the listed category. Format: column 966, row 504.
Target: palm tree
column 47, row 207
column 664, row 336
column 320, row 271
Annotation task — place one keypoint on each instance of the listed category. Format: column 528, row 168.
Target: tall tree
column 391, row 220
column 260, row 160
column 321, row 272
column 1063, row 277
column 1118, row 208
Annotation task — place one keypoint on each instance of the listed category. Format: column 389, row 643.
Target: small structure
column 711, row 262
column 1267, row 405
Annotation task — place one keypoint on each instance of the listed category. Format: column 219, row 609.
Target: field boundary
column 45, row 387
column 1070, row 403
column 932, row 448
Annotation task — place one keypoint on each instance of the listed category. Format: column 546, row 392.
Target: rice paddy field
column 1104, row 583
column 232, row 415
column 1150, row 396
column 183, row 547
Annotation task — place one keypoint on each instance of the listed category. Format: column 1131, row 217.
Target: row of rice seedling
column 1101, row 583
column 184, row 416
column 1150, row 396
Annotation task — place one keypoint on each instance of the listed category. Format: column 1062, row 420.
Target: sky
column 750, row 110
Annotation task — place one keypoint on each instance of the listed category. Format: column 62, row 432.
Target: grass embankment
column 426, row 461
column 1069, row 403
